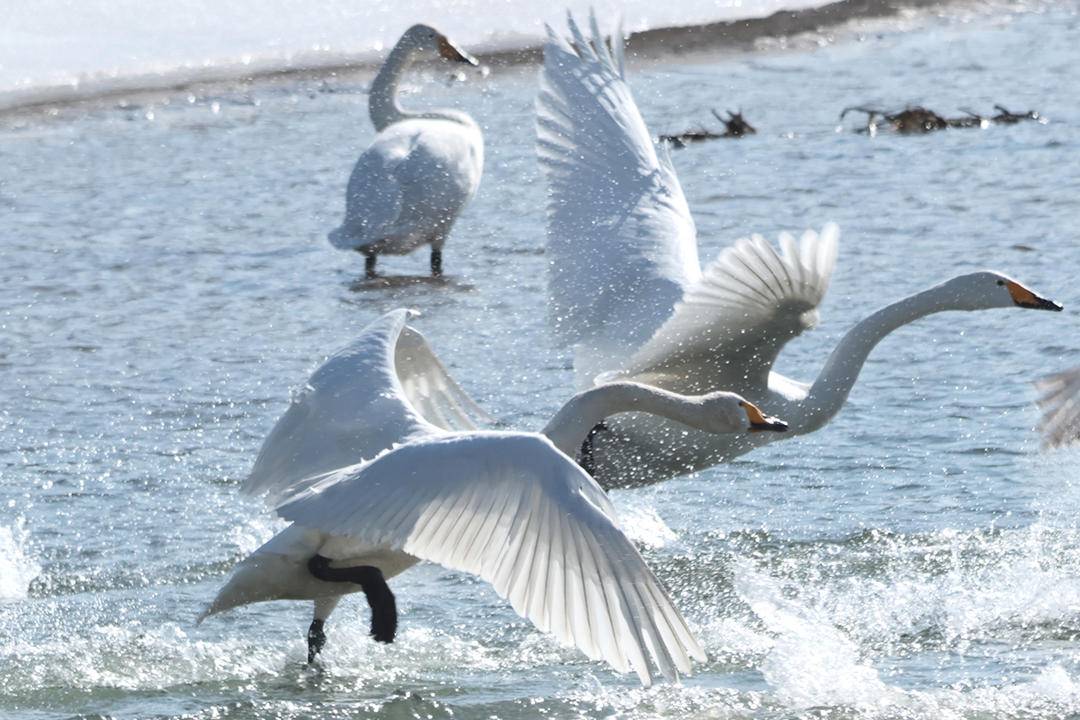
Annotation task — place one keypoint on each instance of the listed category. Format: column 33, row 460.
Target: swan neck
column 382, row 99
column 841, row 370
column 572, row 423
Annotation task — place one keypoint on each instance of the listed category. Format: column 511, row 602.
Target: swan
column 627, row 292
column 1059, row 401
column 377, row 464
column 410, row 185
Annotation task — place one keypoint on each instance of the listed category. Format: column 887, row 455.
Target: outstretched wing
column 512, row 509
column 748, row 304
column 621, row 241
column 385, row 387
column 1060, row 404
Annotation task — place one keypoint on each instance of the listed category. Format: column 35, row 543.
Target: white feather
column 610, row 604
column 750, row 302
column 379, row 390
column 408, row 188
column 620, row 235
column 1060, row 403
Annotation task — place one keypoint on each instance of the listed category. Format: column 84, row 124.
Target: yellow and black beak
column 759, row 421
column 1026, row 299
column 449, row 51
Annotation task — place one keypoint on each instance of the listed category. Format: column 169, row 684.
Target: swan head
column 725, row 412
column 424, row 39
column 989, row 289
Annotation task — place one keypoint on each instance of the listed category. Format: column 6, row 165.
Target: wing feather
column 748, row 304
column 605, row 631
column 379, row 390
column 621, row 240
column 551, row 548
column 1060, row 404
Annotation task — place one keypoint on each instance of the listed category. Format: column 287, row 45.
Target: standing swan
column 409, row 187
column 627, row 291
column 510, row 507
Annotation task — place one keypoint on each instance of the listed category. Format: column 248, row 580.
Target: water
column 166, row 281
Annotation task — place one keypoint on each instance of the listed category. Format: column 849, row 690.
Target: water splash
column 642, row 524
column 811, row 662
column 17, row 568
column 252, row 534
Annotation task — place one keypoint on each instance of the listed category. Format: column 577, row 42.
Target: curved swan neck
column 572, row 423
column 841, row 370
column 382, row 99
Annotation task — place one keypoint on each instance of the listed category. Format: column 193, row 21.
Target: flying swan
column 627, row 291
column 510, row 507
column 410, row 185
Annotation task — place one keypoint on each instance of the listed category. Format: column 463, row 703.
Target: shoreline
column 728, row 35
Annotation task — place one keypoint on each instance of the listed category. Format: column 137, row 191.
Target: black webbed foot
column 316, row 639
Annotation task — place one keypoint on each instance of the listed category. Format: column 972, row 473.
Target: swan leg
column 316, row 634
column 436, row 262
column 369, row 265
column 371, row 581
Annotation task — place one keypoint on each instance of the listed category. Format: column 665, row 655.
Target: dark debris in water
column 735, row 126
column 918, row 120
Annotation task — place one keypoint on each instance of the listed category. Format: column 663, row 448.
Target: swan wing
column 374, row 197
column 383, row 388
column 620, row 239
column 513, row 510
column 747, row 305
column 1059, row 400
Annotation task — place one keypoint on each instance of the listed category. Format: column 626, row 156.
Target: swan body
column 410, row 185
column 627, row 291
column 378, row 464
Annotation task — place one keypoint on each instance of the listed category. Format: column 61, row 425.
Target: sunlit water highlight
column 166, row 281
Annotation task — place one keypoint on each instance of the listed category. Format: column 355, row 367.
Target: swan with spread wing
column 627, row 292
column 378, row 465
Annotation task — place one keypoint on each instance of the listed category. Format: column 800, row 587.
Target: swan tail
column 343, row 238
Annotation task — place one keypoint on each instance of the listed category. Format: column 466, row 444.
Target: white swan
column 511, row 507
column 1059, row 400
column 627, row 291
column 409, row 187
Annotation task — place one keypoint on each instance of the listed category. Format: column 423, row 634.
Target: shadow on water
column 394, row 282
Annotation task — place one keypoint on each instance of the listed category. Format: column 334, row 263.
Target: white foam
column 811, row 662
column 135, row 657
column 994, row 586
column 17, row 568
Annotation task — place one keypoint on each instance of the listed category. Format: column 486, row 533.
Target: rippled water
column 165, row 283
